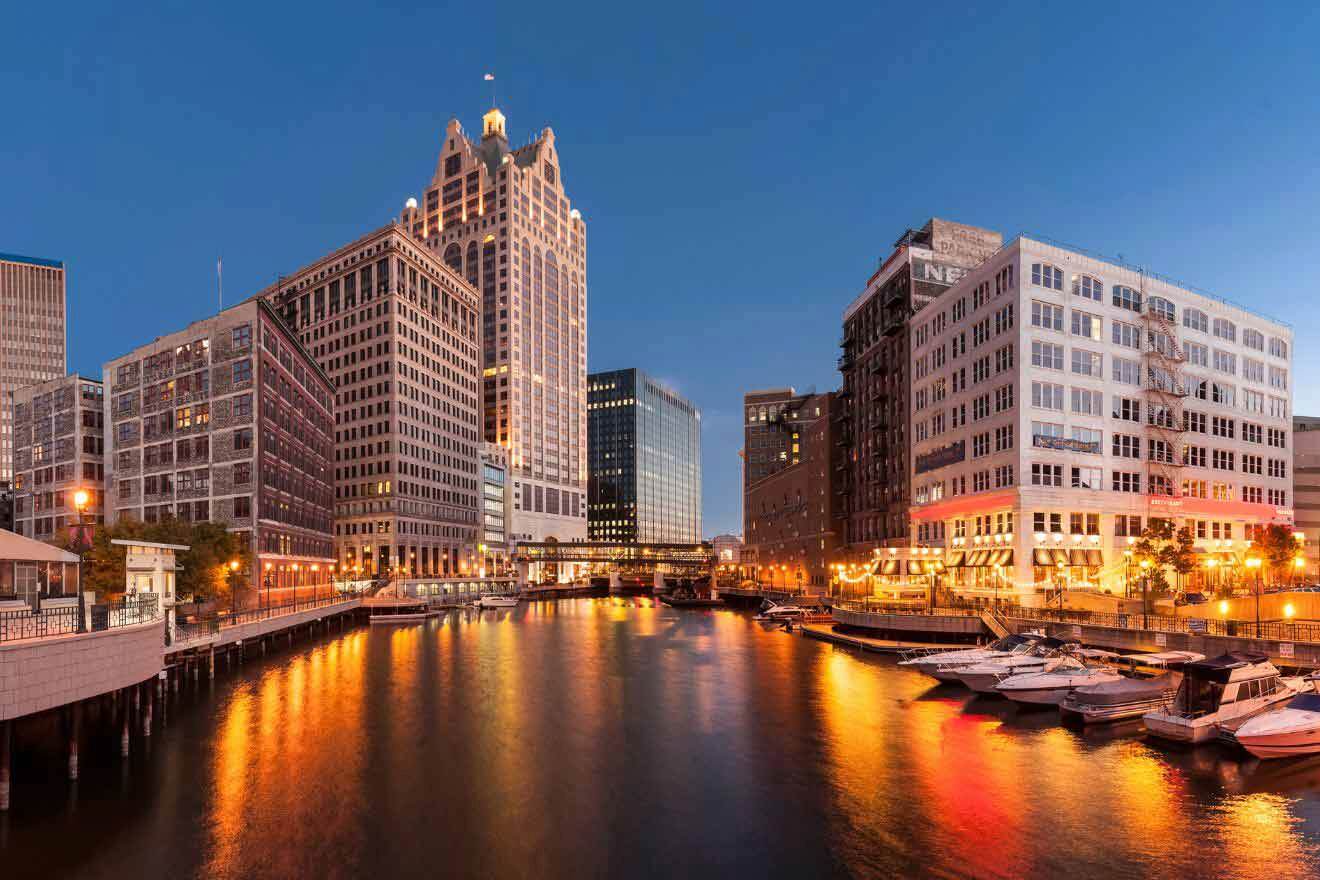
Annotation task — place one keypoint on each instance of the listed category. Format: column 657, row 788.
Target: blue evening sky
column 741, row 167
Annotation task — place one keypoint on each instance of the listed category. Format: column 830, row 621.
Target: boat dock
column 826, row 633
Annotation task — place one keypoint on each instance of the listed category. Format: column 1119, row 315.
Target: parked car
column 1191, row 599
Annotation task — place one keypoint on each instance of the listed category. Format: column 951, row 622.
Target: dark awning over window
column 1095, row 557
column 889, row 566
column 954, row 560
column 1041, row 556
column 1060, row 556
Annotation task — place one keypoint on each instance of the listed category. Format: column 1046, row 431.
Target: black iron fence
column 1276, row 630
column 63, row 619
column 196, row 628
column 25, row 623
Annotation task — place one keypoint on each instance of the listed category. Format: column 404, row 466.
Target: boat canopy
column 1127, row 690
column 1309, row 702
column 1164, row 658
column 1220, row 669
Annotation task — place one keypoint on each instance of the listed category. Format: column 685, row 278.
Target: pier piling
column 5, row 729
column 74, row 723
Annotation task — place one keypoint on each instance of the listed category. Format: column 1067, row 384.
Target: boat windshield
column 1008, row 643
column 1199, row 696
column 1309, row 702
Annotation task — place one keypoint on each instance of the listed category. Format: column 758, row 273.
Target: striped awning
column 1041, row 556
column 916, row 567
column 955, row 559
column 1001, row 557
column 977, row 558
column 1077, row 556
column 889, row 566
column 1095, row 557
column 1059, row 555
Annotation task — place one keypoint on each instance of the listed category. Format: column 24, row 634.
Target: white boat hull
column 1168, row 726
column 1283, row 733
column 982, row 682
column 1047, row 696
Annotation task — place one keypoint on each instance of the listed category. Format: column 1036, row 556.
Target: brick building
column 228, row 420
column 58, row 449
column 792, row 520
column 399, row 333
column 876, row 381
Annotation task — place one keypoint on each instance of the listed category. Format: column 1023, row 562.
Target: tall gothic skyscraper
column 500, row 217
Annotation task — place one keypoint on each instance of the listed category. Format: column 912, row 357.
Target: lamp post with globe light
column 80, row 501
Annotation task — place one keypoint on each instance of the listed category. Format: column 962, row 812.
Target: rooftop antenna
column 490, row 78
column 219, row 283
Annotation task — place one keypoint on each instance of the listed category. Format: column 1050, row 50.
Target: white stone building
column 1061, row 401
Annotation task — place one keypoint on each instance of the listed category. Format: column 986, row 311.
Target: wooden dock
column 826, row 633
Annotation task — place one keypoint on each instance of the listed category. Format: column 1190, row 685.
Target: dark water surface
column 615, row 738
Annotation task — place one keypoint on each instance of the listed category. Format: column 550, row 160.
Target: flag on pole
column 490, row 77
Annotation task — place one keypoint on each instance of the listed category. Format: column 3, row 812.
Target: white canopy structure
column 30, row 568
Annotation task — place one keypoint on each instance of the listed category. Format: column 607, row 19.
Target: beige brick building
column 398, row 333
column 227, row 420
column 501, row 218
column 32, row 336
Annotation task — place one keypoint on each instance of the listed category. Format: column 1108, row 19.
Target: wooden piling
column 75, row 723
column 6, row 727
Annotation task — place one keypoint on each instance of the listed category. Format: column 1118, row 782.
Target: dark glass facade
column 644, row 460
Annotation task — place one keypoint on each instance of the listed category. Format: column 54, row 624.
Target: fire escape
column 1165, row 389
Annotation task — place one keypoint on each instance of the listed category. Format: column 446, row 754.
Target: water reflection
column 619, row 737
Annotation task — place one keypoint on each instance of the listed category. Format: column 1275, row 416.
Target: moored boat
column 931, row 663
column 1219, row 695
column 1044, row 656
column 1050, row 688
column 781, row 613
column 493, row 601
column 1128, row 698
column 1285, row 732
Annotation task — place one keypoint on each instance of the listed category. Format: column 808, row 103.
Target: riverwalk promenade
column 57, row 659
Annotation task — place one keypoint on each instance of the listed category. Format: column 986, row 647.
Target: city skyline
column 234, row 180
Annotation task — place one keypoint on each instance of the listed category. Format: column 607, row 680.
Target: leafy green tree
column 1165, row 548
column 1277, row 549
column 204, row 573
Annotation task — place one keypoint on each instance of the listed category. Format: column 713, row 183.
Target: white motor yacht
column 496, row 602
column 1293, row 729
column 1153, row 682
column 1219, row 695
column 928, row 664
column 781, row 613
column 1044, row 656
column 1083, row 667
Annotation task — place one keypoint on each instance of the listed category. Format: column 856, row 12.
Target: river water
column 618, row 738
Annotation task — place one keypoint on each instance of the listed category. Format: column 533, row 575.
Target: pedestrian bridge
column 612, row 553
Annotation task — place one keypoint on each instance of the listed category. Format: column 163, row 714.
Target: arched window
column 1088, row 288
column 1195, row 319
column 1162, row 308
column 1253, row 339
column 454, row 257
column 1045, row 275
column 1225, row 329
column 1127, row 298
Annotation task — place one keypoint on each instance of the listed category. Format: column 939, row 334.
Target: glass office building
column 644, row 461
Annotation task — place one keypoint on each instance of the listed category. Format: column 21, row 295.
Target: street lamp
column 80, row 499
column 1145, row 594
column 266, row 584
column 1253, row 562
column 233, row 586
